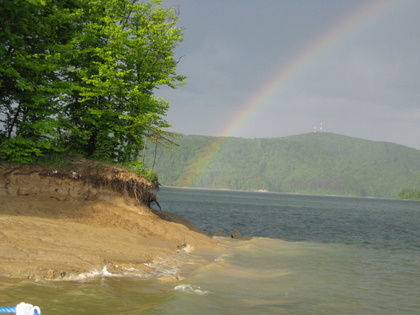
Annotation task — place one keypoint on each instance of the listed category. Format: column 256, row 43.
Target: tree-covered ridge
column 79, row 76
column 315, row 163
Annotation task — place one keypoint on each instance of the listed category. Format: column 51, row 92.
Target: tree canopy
column 79, row 76
column 313, row 163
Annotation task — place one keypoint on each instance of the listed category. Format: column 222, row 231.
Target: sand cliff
column 58, row 223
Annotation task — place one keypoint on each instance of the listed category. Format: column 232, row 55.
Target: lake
column 309, row 255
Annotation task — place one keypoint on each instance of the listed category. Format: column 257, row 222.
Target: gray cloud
column 366, row 84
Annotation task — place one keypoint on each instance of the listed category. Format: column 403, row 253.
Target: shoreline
column 283, row 193
column 59, row 227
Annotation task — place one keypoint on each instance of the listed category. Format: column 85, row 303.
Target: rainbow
column 345, row 26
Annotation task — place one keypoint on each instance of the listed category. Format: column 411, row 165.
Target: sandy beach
column 59, row 223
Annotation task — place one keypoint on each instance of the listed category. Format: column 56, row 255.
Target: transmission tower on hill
column 318, row 129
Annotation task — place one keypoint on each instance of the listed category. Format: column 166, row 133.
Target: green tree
column 123, row 55
column 32, row 35
column 83, row 79
column 160, row 139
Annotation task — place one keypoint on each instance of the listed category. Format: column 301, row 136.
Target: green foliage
column 315, row 163
column 409, row 194
column 142, row 170
column 79, row 76
column 20, row 150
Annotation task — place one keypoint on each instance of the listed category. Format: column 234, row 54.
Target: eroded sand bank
column 58, row 224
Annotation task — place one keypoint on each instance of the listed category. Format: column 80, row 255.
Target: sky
column 275, row 68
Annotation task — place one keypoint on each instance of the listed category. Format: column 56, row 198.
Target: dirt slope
column 58, row 223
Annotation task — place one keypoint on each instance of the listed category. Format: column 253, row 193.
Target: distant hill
column 313, row 163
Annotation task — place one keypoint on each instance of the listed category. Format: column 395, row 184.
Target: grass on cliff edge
column 62, row 160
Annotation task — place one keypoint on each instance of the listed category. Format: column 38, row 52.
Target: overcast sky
column 356, row 68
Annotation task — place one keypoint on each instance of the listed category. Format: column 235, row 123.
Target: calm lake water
column 312, row 255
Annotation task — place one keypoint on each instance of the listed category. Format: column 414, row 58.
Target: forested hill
column 314, row 163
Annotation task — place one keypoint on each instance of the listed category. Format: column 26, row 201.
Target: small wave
column 163, row 268
column 104, row 272
column 190, row 289
column 159, row 271
column 94, row 273
column 186, row 248
column 159, row 268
